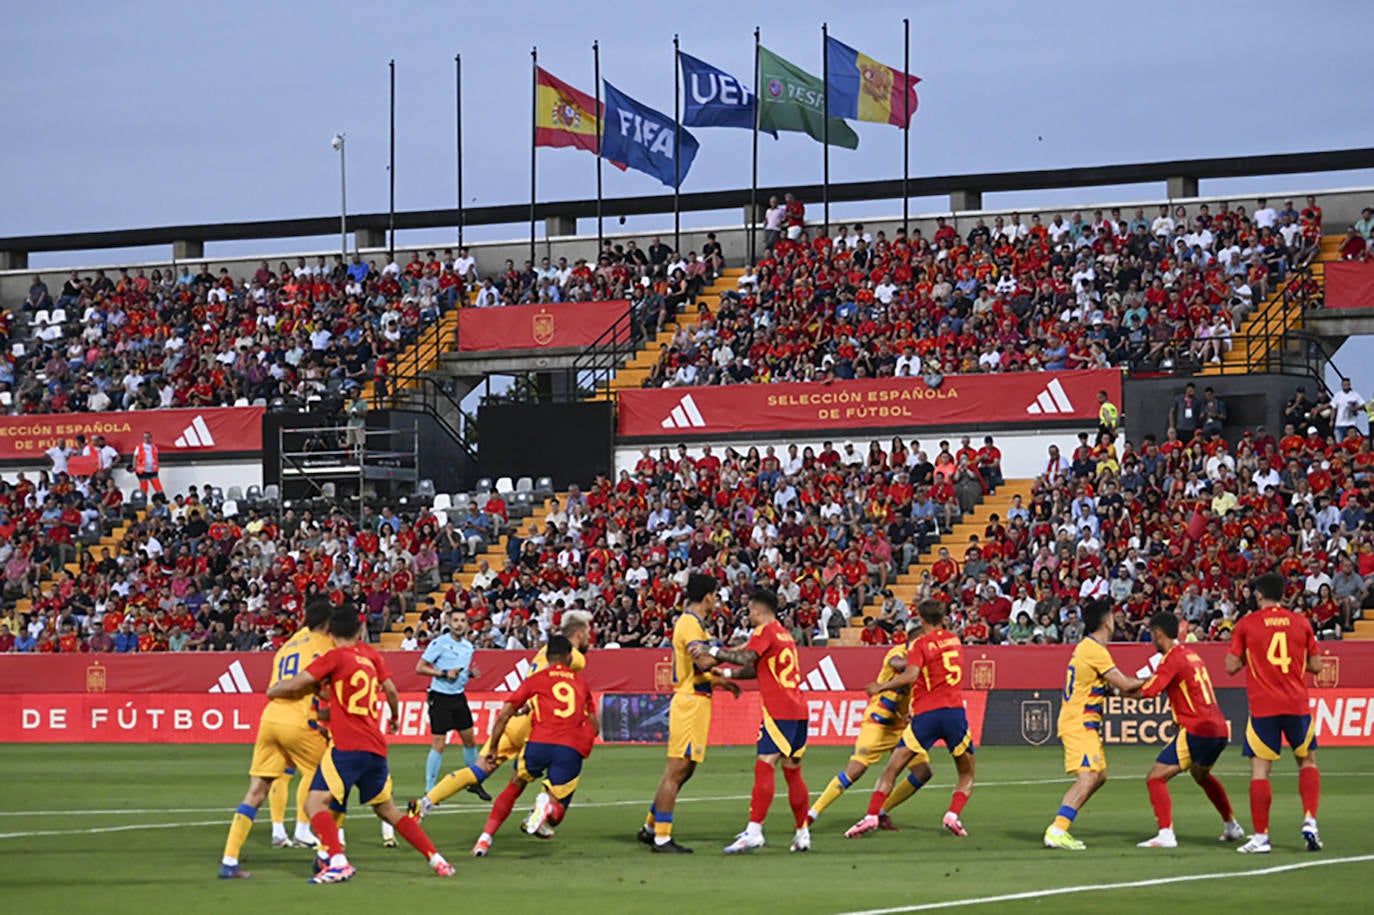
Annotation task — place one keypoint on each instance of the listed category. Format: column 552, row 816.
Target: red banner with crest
column 1028, row 398
column 178, row 433
column 570, row 325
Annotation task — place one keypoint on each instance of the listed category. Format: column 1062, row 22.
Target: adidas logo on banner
column 1051, row 400
column 233, row 680
column 684, row 416
column 513, row 679
column 825, row 678
column 196, row 435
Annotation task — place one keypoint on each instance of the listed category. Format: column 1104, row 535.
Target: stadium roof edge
column 1186, row 170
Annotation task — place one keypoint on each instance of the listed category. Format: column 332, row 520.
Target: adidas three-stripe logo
column 1051, row 400
column 684, row 416
column 513, row 679
column 196, row 435
column 233, row 680
column 825, row 678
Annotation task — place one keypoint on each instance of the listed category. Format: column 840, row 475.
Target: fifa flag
column 563, row 116
column 715, row 98
column 642, row 138
column 862, row 89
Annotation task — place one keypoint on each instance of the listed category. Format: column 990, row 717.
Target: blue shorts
column 341, row 771
column 947, row 724
column 787, row 737
column 1264, row 736
column 1188, row 750
column 559, row 765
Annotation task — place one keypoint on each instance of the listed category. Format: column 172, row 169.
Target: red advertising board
column 641, row 670
column 877, row 403
column 233, row 718
column 1350, row 284
column 177, row 433
column 568, row 325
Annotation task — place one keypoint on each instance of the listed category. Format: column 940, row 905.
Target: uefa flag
column 563, row 116
column 864, row 90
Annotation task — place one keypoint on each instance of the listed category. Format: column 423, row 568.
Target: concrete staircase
column 423, row 354
column 110, row 541
column 495, row 555
column 1271, row 320
column 905, row 586
column 636, row 371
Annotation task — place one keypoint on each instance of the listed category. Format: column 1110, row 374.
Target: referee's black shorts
column 448, row 712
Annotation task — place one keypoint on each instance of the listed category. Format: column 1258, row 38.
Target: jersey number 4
column 1278, row 652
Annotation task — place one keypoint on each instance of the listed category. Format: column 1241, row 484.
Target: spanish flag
column 864, row 90
column 563, row 115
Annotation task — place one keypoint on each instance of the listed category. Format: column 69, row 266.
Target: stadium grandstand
column 1013, row 522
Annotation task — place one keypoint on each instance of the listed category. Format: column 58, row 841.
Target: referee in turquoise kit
column 448, row 660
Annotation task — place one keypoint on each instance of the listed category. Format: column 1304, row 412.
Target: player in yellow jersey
column 577, row 628
column 289, row 732
column 884, row 720
column 689, row 716
column 1091, row 670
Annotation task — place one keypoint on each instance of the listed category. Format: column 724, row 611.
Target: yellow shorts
column 1083, row 751
column 689, row 725
column 513, row 740
column 874, row 742
column 280, row 746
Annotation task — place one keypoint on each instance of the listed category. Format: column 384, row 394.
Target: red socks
column 1217, row 795
column 797, row 795
column 327, row 832
column 556, row 810
column 876, row 802
column 957, row 802
column 1310, row 787
column 409, row 829
column 1161, row 802
column 1261, row 795
column 501, row 808
column 762, row 797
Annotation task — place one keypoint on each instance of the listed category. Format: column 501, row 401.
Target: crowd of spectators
column 1083, row 292
column 1182, row 520
column 187, row 337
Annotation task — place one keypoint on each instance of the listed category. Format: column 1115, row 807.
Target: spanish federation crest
column 543, row 327
column 1036, row 724
column 984, row 674
column 663, row 676
column 1329, row 676
column 95, row 678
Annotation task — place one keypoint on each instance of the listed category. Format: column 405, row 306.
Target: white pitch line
column 1099, row 887
column 474, row 808
column 99, row 829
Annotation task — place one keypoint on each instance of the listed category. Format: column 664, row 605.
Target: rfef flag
column 864, row 90
column 642, row 138
column 563, row 116
column 792, row 99
column 715, row 98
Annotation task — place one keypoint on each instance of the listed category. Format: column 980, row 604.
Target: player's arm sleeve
column 1160, row 680
column 321, row 667
column 523, row 694
column 383, row 671
column 431, row 653
column 760, row 641
column 1237, row 647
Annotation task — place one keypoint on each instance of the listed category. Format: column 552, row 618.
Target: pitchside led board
column 1013, row 696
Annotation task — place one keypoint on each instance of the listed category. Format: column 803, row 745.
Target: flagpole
column 677, row 145
column 596, row 78
column 906, row 128
column 391, row 214
column 825, row 127
column 458, row 135
column 752, row 222
column 534, row 134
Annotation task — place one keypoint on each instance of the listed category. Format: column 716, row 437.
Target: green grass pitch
column 133, row 828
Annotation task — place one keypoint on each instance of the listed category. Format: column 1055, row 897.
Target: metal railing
column 430, row 396
column 595, row 366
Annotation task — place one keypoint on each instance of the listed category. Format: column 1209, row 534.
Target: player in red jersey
column 563, row 726
column 352, row 673
column 771, row 656
column 935, row 672
column 1201, row 737
column 1277, row 649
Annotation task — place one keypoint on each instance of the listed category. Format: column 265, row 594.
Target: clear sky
column 151, row 112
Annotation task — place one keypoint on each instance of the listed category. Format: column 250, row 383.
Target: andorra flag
column 563, row 116
column 862, row 89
